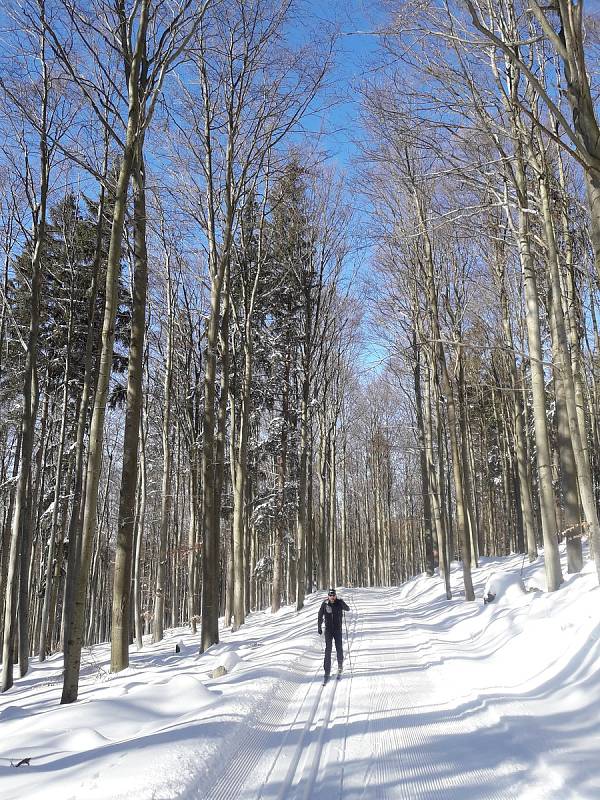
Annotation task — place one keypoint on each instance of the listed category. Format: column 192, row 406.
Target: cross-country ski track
column 439, row 700
column 380, row 731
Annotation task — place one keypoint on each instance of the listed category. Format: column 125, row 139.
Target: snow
column 439, row 699
column 506, row 588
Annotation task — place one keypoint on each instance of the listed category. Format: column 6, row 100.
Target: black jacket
column 333, row 614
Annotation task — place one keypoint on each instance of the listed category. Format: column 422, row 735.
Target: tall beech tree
column 143, row 87
column 36, row 189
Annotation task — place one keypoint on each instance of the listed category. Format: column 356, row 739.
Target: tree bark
column 75, row 628
column 122, row 583
column 549, row 532
column 239, row 490
column 165, row 507
column 21, row 533
column 448, row 393
column 46, row 619
column 139, row 540
column 579, row 444
column 281, row 481
column 427, row 516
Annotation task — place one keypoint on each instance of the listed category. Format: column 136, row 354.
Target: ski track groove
column 451, row 725
column 348, row 688
column 233, row 777
column 249, row 752
column 318, row 765
column 398, row 766
column 310, row 773
column 239, row 778
column 377, row 703
column 297, row 753
column 348, row 698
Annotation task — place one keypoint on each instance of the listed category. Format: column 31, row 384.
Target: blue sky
column 355, row 50
column 337, row 118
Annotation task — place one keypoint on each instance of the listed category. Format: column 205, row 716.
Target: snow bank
column 504, row 587
column 221, row 657
column 230, row 660
column 172, row 696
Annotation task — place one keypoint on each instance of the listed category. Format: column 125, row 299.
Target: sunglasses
column 332, row 594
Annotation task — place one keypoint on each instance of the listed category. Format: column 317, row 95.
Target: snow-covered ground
column 439, row 699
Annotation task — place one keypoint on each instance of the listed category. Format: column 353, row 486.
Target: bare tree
column 144, row 72
column 562, row 23
column 36, row 189
column 252, row 93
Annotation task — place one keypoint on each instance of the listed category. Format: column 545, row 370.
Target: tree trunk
column 193, row 540
column 427, row 521
column 579, row 444
column 139, row 541
column 76, row 519
column 434, row 488
column 121, row 604
column 46, row 621
column 6, row 533
column 310, row 538
column 158, row 616
column 75, row 621
column 304, row 579
column 281, row 480
column 210, row 550
column 333, row 548
column 323, row 528
column 21, row 534
column 519, row 427
column 239, row 490
column 551, row 554
column 453, row 421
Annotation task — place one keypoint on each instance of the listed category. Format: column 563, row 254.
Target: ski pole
column 347, row 642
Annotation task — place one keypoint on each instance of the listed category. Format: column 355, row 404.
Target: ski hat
column 331, row 590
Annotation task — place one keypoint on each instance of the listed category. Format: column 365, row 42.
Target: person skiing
column 332, row 610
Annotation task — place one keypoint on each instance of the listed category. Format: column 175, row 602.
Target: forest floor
column 438, row 699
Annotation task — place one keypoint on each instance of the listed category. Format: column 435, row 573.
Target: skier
column 332, row 609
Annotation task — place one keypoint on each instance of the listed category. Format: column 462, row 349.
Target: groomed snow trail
column 439, row 700
column 390, row 728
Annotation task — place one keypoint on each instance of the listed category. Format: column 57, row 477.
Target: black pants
column 329, row 637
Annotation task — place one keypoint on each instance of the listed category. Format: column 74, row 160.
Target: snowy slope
column 441, row 699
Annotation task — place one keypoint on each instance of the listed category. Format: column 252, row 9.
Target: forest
column 235, row 368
